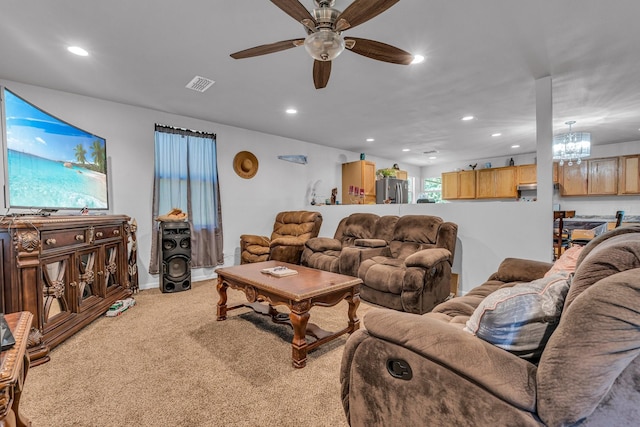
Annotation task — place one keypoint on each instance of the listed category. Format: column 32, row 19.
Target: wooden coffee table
column 300, row 292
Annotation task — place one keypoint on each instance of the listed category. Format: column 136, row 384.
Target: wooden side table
column 14, row 364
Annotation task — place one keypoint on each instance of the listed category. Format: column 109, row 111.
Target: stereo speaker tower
column 176, row 256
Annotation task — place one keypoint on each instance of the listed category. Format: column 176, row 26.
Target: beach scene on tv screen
column 50, row 163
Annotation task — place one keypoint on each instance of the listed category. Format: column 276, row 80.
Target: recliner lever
column 400, row 369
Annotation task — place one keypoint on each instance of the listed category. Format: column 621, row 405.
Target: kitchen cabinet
column 593, row 177
column 573, row 179
column 603, row 176
column 496, row 183
column 629, row 175
column 527, row 174
column 402, row 174
column 360, row 174
column 66, row 270
column 459, row 185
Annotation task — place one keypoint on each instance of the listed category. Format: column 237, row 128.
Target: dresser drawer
column 107, row 232
column 60, row 238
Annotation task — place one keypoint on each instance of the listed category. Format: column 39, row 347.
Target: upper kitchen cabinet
column 527, row 174
column 603, row 176
column 459, row 185
column 629, row 175
column 590, row 178
column 573, row 179
column 496, row 183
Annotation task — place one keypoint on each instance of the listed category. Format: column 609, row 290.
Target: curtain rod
column 173, row 129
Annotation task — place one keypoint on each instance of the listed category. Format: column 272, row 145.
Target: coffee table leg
column 299, row 344
column 354, row 302
column 221, row 287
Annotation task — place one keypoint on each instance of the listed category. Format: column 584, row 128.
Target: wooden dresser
column 65, row 270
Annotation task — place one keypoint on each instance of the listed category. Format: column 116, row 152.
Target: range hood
column 522, row 187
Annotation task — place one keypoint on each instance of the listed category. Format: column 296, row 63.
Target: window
column 186, row 177
column 432, row 189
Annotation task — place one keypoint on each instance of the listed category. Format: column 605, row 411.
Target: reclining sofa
column 432, row 370
column 404, row 262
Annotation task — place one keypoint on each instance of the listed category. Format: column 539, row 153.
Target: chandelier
column 571, row 146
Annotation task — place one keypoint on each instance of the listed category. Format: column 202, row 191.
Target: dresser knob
column 50, row 241
column 116, row 232
column 99, row 234
column 80, row 237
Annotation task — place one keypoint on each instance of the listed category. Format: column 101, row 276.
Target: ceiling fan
column 324, row 41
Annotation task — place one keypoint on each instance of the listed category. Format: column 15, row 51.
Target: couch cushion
column 610, row 256
column 358, row 226
column 520, row 319
column 417, row 228
column 598, row 336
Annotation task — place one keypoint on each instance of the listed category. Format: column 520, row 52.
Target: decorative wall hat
column 245, row 164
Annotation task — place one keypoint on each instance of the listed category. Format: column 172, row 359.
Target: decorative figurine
column 334, row 194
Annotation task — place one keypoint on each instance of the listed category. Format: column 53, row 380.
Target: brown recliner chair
column 325, row 253
column 427, row 370
column 413, row 274
column 290, row 232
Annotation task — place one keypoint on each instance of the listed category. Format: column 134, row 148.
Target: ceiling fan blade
column 361, row 11
column 379, row 51
column 267, row 48
column 321, row 73
column 297, row 11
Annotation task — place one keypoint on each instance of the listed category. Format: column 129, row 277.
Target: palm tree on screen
column 98, row 154
column 81, row 154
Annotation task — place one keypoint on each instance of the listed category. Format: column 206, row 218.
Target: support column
column 544, row 140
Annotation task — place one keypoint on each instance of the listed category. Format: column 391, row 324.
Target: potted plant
column 386, row 173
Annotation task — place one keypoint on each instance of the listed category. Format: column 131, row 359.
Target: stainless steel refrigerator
column 395, row 190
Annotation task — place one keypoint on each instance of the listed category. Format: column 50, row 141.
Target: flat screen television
column 50, row 164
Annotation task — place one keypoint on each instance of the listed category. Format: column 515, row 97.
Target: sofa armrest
column 520, row 270
column 321, row 244
column 501, row 373
column 370, row 243
column 250, row 239
column 428, row 258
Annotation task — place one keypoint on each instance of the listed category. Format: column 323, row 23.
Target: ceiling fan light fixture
column 324, row 45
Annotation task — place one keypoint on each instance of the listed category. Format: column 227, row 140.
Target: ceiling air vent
column 430, row 152
column 200, row 84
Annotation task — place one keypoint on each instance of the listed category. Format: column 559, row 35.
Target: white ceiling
column 482, row 58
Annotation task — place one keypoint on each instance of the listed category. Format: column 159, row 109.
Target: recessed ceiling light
column 291, row 111
column 406, row 149
column 370, row 139
column 417, row 59
column 432, row 157
column 496, row 134
column 467, row 118
column 515, row 146
column 77, row 50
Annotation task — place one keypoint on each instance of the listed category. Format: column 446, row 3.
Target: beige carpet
column 167, row 361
